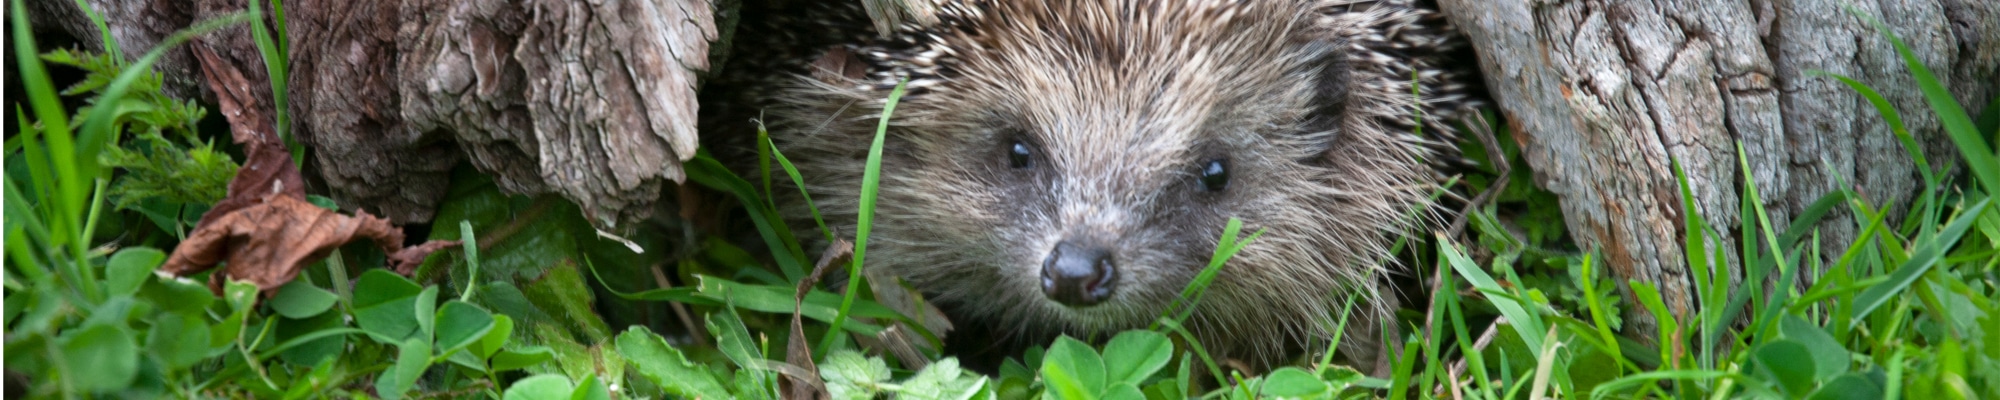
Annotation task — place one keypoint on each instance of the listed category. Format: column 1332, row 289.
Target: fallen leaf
column 267, row 165
column 269, row 242
column 265, row 229
column 797, row 352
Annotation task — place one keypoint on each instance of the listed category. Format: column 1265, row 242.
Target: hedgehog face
column 1073, row 174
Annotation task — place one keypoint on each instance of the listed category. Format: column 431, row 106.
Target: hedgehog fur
column 1125, row 108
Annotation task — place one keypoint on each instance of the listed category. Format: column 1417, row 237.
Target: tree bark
column 591, row 99
column 1604, row 97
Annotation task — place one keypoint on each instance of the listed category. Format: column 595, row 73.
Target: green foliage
column 521, row 313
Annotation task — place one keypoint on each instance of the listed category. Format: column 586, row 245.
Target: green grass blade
column 1926, row 255
column 1595, row 302
column 1711, row 288
column 275, row 61
column 39, row 179
column 103, row 31
column 54, row 119
column 799, row 181
column 1804, row 222
column 706, row 171
column 1183, row 306
column 871, row 183
column 1890, row 116
column 1529, row 326
column 1957, row 124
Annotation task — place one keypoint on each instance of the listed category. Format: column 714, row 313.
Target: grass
column 1904, row 311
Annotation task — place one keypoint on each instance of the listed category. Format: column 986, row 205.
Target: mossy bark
column 1605, row 97
column 593, row 100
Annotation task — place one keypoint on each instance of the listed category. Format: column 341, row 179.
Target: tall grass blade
column 871, row 183
column 103, row 31
column 800, row 182
column 1957, row 124
column 785, row 251
column 1529, row 326
column 275, row 67
column 1927, row 254
column 1184, row 306
column 68, row 196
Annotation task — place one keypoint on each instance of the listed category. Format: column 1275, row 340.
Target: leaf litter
column 265, row 229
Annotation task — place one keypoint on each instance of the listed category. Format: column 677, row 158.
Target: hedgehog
column 1068, row 167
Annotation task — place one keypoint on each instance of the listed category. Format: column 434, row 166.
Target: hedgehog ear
column 838, row 66
column 1332, row 85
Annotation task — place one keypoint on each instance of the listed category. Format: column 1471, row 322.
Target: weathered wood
column 594, row 100
column 1605, row 96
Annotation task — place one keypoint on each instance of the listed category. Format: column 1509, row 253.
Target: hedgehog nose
column 1078, row 275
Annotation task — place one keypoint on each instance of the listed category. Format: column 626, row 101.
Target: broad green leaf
column 378, row 286
column 130, row 268
column 315, row 351
column 735, row 342
column 591, row 388
column 540, row 387
column 1060, row 384
column 426, row 312
column 1850, row 386
column 461, row 324
column 495, row 339
column 240, row 295
column 513, row 359
column 1788, row 364
column 1292, row 382
column 300, row 300
column 1592, row 366
column 100, row 357
column 563, row 294
column 469, row 360
column 1122, row 390
column 1134, row 355
column 665, row 366
column 389, row 322
column 941, row 380
column 1078, row 361
column 411, row 359
column 180, row 341
column 385, row 304
column 851, row 375
column 177, row 295
column 1829, row 357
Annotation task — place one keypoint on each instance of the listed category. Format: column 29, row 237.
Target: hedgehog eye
column 1019, row 155
column 1215, row 175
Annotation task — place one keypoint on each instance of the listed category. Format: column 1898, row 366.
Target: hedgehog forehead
column 1128, row 82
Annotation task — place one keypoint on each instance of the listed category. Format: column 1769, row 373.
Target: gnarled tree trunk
column 1604, row 96
column 590, row 99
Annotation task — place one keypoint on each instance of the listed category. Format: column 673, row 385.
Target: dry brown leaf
column 265, row 229
column 270, row 242
column 267, row 165
column 797, row 351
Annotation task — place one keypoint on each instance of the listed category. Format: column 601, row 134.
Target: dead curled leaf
column 796, row 351
column 265, row 229
column 270, row 242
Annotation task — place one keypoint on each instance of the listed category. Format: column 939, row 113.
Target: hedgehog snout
column 1078, row 275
